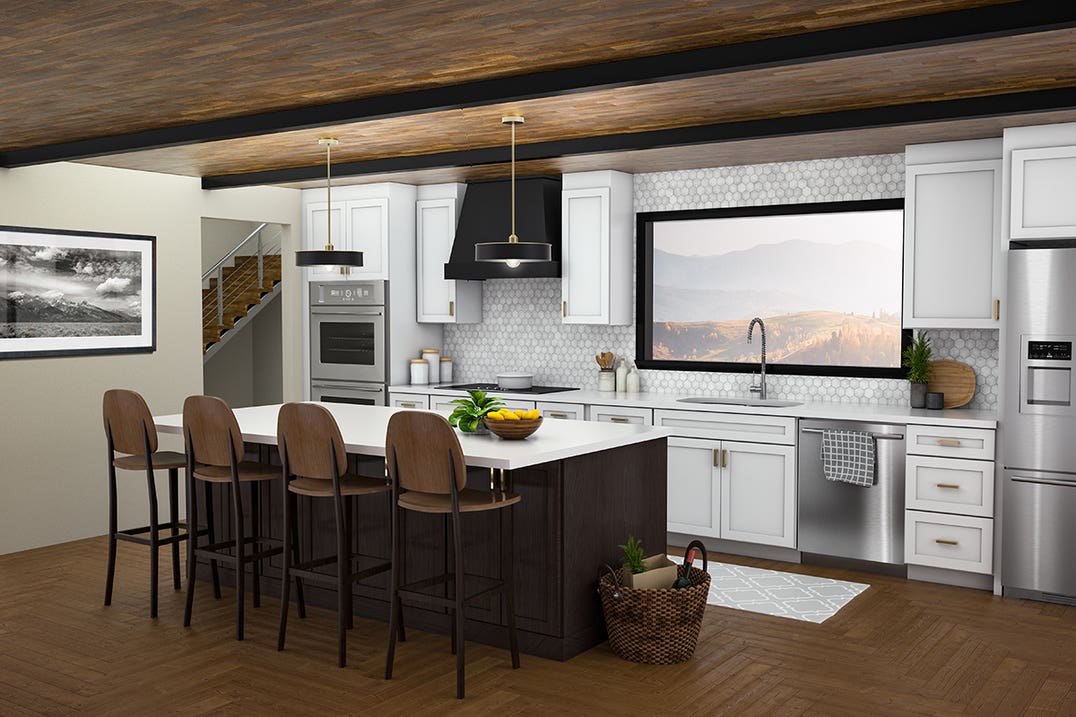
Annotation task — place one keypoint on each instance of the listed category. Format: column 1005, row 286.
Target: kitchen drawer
column 954, row 542
column 950, row 485
column 563, row 411
column 621, row 414
column 409, row 400
column 732, row 426
column 444, row 403
column 951, row 442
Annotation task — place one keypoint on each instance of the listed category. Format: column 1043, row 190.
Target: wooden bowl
column 514, row 430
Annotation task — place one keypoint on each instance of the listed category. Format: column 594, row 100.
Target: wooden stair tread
column 241, row 292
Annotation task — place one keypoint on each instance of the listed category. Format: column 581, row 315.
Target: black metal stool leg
column 154, row 543
column 343, row 580
column 110, row 575
column 240, row 559
column 211, row 533
column 192, row 545
column 255, row 530
column 285, row 572
column 450, row 570
column 173, row 517
column 296, row 553
column 508, row 577
column 394, row 588
column 457, row 542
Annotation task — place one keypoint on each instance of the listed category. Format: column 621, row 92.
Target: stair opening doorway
column 242, row 337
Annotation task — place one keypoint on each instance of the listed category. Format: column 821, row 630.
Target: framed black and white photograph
column 65, row 293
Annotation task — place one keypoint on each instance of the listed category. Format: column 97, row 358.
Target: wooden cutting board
column 953, row 378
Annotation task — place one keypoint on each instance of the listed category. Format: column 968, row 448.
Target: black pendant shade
column 327, row 257
column 524, row 252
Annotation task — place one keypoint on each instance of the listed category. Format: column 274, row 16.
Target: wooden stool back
column 129, row 422
column 424, row 453
column 310, row 442
column 210, row 429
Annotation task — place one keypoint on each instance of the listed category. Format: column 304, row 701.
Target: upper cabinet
column 952, row 223
column 1042, row 193
column 596, row 248
column 441, row 300
column 357, row 225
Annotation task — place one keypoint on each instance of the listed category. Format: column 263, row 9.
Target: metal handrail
column 218, row 269
column 237, row 283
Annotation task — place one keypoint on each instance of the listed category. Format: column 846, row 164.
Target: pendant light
column 329, row 256
column 513, row 252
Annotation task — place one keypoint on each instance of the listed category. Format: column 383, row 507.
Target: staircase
column 236, row 293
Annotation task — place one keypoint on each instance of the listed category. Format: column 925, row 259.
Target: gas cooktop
column 495, row 387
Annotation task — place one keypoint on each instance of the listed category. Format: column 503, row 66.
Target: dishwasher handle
column 876, row 436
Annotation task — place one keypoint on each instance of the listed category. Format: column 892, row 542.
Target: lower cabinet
column 732, row 490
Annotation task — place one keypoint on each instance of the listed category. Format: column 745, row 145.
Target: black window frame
column 644, row 291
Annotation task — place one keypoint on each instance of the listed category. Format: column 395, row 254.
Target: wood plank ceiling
column 125, row 71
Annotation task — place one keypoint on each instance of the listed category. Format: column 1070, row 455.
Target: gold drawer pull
column 564, row 309
column 619, row 419
column 717, row 463
column 941, row 541
column 408, row 404
column 997, row 309
column 948, row 442
column 950, row 486
column 452, row 308
column 724, row 458
column 557, row 414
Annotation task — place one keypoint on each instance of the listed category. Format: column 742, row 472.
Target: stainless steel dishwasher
column 849, row 521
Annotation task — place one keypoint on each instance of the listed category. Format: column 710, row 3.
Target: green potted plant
column 470, row 413
column 917, row 361
column 639, row 572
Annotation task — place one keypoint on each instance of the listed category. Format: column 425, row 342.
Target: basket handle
column 616, row 580
column 702, row 549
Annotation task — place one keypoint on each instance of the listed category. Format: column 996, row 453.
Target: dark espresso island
column 585, row 487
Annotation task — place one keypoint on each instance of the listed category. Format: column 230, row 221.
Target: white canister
column 606, row 380
column 433, row 356
column 446, row 369
column 420, row 372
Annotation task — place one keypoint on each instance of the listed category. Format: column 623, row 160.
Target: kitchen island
column 584, row 486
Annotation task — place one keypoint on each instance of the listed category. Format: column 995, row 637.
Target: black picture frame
column 117, row 271
column 644, row 291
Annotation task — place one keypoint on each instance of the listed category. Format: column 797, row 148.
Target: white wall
column 52, row 446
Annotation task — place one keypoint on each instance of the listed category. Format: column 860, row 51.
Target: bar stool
column 129, row 429
column 315, row 466
column 215, row 454
column 428, row 475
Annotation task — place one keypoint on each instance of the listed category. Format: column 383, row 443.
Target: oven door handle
column 336, row 387
column 346, row 311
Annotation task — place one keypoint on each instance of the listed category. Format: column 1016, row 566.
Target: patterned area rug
column 771, row 592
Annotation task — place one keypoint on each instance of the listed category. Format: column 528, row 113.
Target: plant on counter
column 917, row 361
column 469, row 412
column 633, row 555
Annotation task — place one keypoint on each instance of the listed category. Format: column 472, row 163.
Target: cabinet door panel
column 693, row 487
column 317, row 236
column 758, row 493
column 436, row 228
column 1042, row 180
column 368, row 232
column 585, row 256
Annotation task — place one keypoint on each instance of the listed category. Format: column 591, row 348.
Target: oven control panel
column 347, row 293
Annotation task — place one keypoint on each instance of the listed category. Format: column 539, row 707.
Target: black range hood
column 486, row 216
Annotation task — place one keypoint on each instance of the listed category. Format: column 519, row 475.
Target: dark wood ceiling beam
column 1011, row 18
column 875, row 117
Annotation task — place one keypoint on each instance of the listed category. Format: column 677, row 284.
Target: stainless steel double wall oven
column 348, row 342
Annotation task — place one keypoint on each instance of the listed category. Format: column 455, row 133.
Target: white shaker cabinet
column 1042, row 205
column 441, row 300
column 952, row 262
column 736, row 491
column 357, row 225
column 596, row 248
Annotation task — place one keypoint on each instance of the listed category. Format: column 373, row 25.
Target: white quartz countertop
column 966, row 418
column 363, row 429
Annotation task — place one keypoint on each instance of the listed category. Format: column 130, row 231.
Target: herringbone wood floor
column 900, row 648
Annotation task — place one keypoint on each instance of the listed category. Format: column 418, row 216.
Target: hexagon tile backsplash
column 522, row 329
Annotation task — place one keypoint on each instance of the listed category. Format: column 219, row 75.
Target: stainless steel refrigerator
column 1038, row 425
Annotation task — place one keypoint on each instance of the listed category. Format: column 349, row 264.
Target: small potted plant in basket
column 917, row 361
column 654, row 572
column 470, row 413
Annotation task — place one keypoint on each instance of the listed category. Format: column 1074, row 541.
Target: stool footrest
column 412, row 590
column 306, row 571
column 163, row 540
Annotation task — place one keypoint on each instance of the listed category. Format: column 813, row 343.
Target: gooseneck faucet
column 760, row 389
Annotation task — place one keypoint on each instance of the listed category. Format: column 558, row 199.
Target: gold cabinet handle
column 950, row 486
column 941, row 541
column 452, row 308
column 948, row 442
column 717, row 463
column 724, row 458
column 619, row 419
column 408, row 404
column 557, row 414
column 997, row 309
column 564, row 309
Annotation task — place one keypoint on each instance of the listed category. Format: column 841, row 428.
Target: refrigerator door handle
column 1044, row 481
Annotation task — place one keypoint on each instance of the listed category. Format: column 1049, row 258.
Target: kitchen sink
column 761, row 402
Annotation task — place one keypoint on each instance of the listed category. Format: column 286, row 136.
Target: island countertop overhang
column 363, row 430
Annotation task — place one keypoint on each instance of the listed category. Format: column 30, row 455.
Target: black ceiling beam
column 872, row 118
column 1006, row 19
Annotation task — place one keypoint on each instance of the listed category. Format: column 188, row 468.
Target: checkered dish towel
column 848, row 457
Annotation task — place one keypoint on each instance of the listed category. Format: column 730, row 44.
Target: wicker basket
column 658, row 627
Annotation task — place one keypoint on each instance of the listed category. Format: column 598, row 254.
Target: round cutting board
column 953, row 378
